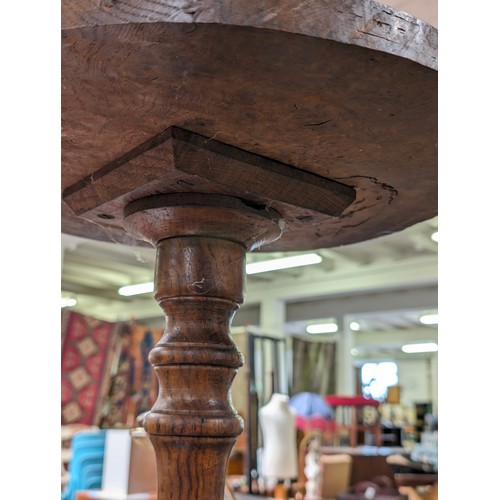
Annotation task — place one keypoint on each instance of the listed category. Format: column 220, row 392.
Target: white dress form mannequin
column 279, row 453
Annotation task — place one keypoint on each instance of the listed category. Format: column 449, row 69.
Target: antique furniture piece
column 352, row 419
column 367, row 461
column 212, row 128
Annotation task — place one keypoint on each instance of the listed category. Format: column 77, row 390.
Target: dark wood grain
column 201, row 242
column 356, row 22
column 177, row 160
column 360, row 117
column 341, row 91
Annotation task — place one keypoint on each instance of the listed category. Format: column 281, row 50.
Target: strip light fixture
column 415, row 348
column 322, row 328
column 138, row 289
column 429, row 319
column 283, row 263
column 67, row 302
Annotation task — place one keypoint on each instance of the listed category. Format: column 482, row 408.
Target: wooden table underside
column 344, row 90
column 212, row 128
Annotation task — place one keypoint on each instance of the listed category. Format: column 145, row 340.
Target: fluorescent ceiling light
column 129, row 290
column 413, row 348
column 434, row 236
column 429, row 319
column 67, row 302
column 322, row 328
column 354, row 326
column 284, row 263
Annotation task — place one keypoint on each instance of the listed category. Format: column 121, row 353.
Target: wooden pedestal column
column 326, row 111
column 201, row 242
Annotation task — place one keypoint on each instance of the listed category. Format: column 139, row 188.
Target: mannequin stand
column 279, row 454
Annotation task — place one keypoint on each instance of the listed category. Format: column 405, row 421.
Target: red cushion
column 314, row 423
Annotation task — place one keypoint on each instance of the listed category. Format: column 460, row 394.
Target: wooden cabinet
column 348, row 417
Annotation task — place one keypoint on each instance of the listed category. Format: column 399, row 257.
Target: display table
column 418, row 486
column 214, row 128
column 367, row 461
column 415, row 479
column 99, row 495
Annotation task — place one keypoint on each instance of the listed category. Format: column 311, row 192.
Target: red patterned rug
column 88, row 349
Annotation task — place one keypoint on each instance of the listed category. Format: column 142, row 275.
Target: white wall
column 418, row 381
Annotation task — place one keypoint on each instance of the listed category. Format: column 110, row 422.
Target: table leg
column 201, row 243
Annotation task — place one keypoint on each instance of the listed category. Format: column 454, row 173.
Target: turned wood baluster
column 201, row 242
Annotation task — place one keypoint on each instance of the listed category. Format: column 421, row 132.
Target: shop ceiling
column 384, row 284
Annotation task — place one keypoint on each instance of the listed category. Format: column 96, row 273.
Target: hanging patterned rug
column 88, row 347
column 133, row 385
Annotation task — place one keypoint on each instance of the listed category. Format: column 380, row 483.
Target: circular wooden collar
column 343, row 91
